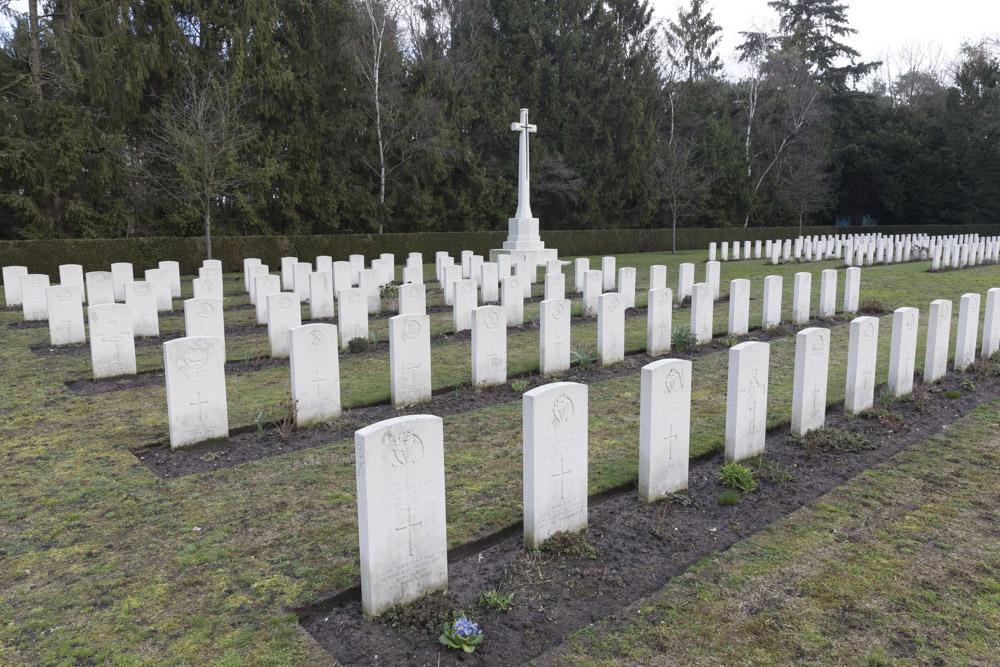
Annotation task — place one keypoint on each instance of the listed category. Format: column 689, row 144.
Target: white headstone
column 712, row 278
column 555, row 461
column 370, row 284
column 388, row 267
column 410, row 360
column 938, row 334
column 626, row 285
column 812, row 363
column 352, row 307
column 991, row 324
column 141, row 298
column 828, row 293
column 300, row 280
column 204, row 317
column 341, row 276
column 610, row 328
column 512, row 300
column 659, row 316
column 112, row 347
column 12, row 284
column 555, row 286
column 739, row 307
column 121, row 273
column 772, row 302
column 489, row 346
column 968, row 331
column 321, row 295
column 504, row 266
column 862, row 353
column 173, row 270
column 553, row 266
column 401, row 511
column 746, row 402
column 477, row 270
column 685, row 281
column 210, row 272
column 852, row 289
column 283, row 313
column 450, row 275
column 701, row 313
column 736, row 250
column 592, row 287
column 607, row 274
column 664, row 428
column 72, row 274
column 554, row 348
column 214, row 264
column 466, row 263
column 711, row 251
column 65, row 315
column 247, row 263
column 528, row 274
column 903, row 350
column 315, row 373
column 580, row 267
column 253, row 272
column 288, row 273
column 489, row 282
column 657, row 276
column 465, row 301
column 263, row 287
column 800, row 297
column 357, row 263
column 207, row 288
column 195, row 373
column 160, row 282
column 724, row 251
column 33, row 302
column 412, row 299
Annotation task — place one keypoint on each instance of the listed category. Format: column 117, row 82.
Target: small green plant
column 737, row 476
column 952, row 394
column 286, row 425
column 838, row 440
column 250, row 355
column 871, row 306
column 356, row 345
column 496, row 600
column 520, row 386
column 681, row 338
column 771, row 470
column 574, row 545
column 967, row 386
column 885, row 395
column 729, row 497
column 462, row 634
column 389, row 295
column 729, row 341
column 682, row 499
column 584, row 356
column 260, row 420
column 884, row 417
column 375, row 335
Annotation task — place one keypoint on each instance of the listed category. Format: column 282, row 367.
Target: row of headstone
column 95, row 287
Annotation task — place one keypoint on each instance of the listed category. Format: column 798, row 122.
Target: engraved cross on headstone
column 316, row 382
column 562, row 477
column 412, row 367
column 670, row 438
column 200, row 402
column 408, row 527
column 815, row 394
column 494, row 358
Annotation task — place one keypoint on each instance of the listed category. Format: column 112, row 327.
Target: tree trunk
column 36, row 49
column 208, row 230
column 673, row 243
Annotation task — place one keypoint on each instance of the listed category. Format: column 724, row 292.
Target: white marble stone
column 206, row 288
column 402, row 525
column 724, row 251
column 504, row 266
column 736, row 250
column 580, row 267
column 141, row 298
column 746, row 402
column 512, row 300
column 701, row 313
column 263, row 287
column 659, row 316
column 465, row 301
column 249, row 262
column 903, row 350
column 608, row 274
column 812, row 363
column 447, row 261
column 592, row 287
column 553, row 266
column 100, row 288
column 712, row 278
column 410, row 360
column 65, row 314
column 112, row 347
column 321, row 304
column 991, row 324
column 197, row 413
column 324, row 264
column 555, row 286
column 801, row 295
column 626, row 285
column 388, row 267
column 253, row 273
column 33, row 302
column 610, row 328
column 283, row 313
column 476, row 270
column 300, row 280
column 938, row 335
column 369, row 283
column 378, row 266
column 413, row 274
column 315, row 370
column 757, row 250
column 489, row 282
column 528, row 274
column 352, row 308
column 489, row 346
column 341, row 276
column 121, row 273
column 466, row 263
column 862, row 353
column 828, row 293
column 160, row 282
column 173, row 270
column 554, row 338
column 685, row 281
column 210, row 272
column 739, row 307
column 657, row 276
column 412, row 299
column 968, row 331
column 213, row 264
column 204, row 317
column 12, row 284
column 852, row 289
column 772, row 302
column 664, row 428
column 72, row 274
column 712, row 251
column 554, row 484
column 357, row 263
column 288, row 273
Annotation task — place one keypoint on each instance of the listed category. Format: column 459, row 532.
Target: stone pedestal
column 523, row 243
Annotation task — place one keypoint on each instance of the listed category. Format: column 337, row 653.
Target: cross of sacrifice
column 316, row 382
column 562, row 477
column 523, row 187
column 408, row 527
column 200, row 402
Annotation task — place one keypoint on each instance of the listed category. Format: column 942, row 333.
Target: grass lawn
column 101, row 561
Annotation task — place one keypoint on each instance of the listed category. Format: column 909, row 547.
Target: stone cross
column 523, row 185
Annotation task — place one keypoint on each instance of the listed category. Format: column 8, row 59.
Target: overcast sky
column 881, row 24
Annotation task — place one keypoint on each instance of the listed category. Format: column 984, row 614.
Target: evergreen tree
column 692, row 39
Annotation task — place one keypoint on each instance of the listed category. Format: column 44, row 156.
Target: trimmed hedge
column 45, row 256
